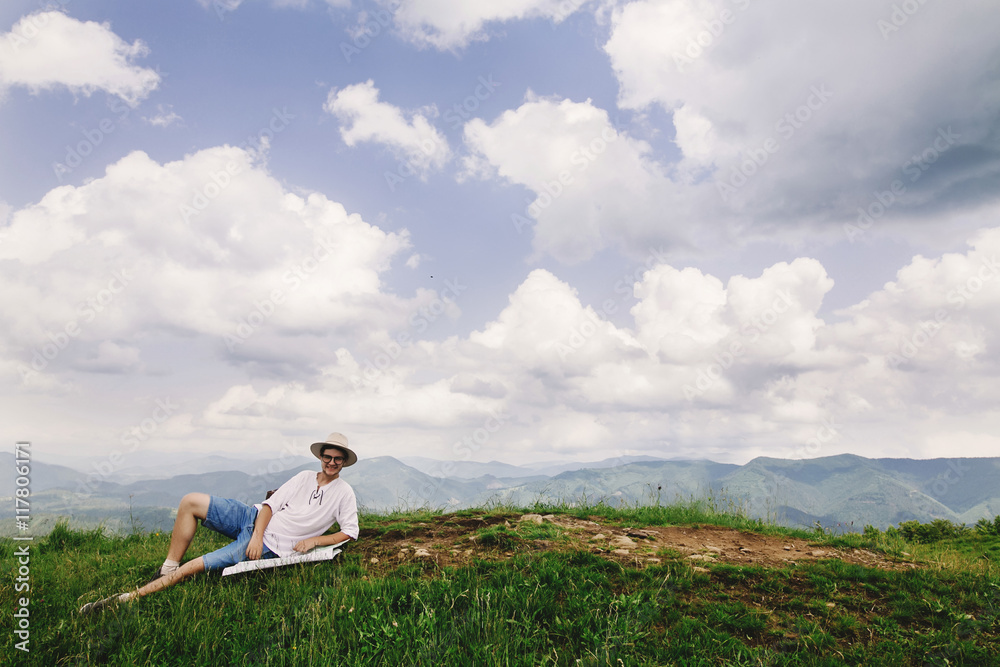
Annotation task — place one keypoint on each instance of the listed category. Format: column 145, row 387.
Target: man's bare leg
column 192, row 507
column 188, row 569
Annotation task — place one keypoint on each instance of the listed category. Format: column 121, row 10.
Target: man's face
column 332, row 460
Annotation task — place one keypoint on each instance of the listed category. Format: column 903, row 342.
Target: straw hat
column 338, row 440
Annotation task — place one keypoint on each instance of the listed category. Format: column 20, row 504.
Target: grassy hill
column 654, row 585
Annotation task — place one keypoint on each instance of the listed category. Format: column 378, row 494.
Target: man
column 293, row 520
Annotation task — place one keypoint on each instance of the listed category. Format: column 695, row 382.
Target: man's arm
column 282, row 494
column 256, row 546
column 305, row 545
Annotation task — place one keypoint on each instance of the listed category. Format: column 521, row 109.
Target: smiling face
column 332, row 459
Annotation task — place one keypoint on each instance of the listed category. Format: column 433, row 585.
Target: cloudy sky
column 520, row 230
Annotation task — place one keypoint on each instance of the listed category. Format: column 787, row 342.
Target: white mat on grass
column 317, row 554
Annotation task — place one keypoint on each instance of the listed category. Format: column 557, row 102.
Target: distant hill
column 465, row 469
column 847, row 491
column 556, row 467
column 880, row 492
column 43, row 476
column 212, row 463
column 641, row 482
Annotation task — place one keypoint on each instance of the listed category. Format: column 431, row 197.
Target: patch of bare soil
column 452, row 540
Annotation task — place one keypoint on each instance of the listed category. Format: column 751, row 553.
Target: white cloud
column 696, row 139
column 452, row 24
column 938, row 319
column 165, row 116
column 211, row 248
column 958, row 439
column 704, row 368
column 594, row 186
column 707, row 369
column 364, row 118
column 783, row 135
column 534, row 331
column 110, row 357
column 50, row 49
column 223, row 7
column 569, row 382
column 815, row 127
column 681, row 313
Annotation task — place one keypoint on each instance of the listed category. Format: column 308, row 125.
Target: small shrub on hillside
column 871, row 533
column 986, row 527
column 935, row 531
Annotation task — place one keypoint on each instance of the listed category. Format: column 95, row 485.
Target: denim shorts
column 234, row 520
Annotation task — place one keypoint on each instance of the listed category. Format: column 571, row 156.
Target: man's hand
column 255, row 548
column 305, row 545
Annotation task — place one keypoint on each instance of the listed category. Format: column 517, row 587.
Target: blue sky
column 551, row 229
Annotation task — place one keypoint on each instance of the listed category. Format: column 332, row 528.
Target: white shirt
column 303, row 509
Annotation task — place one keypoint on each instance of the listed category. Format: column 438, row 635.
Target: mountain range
column 844, row 492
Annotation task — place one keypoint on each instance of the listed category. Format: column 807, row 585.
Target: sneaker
column 156, row 575
column 92, row 607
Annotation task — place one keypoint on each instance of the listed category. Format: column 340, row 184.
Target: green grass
column 715, row 510
column 539, row 606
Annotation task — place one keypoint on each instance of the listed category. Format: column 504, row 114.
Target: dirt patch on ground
column 451, row 540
